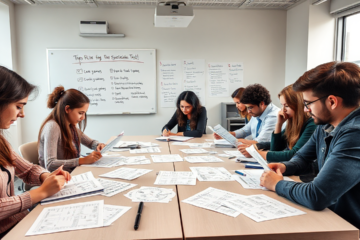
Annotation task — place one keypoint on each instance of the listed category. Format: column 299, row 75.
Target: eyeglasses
column 308, row 103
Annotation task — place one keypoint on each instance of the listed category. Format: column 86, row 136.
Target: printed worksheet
column 146, row 150
column 114, row 187
column 68, row 217
column 126, row 173
column 112, row 213
column 202, row 159
column 262, row 208
column 81, row 177
column 105, row 161
column 175, row 178
column 151, row 194
column 166, row 158
column 212, row 199
column 252, row 151
column 194, row 151
column 133, row 161
column 212, row 174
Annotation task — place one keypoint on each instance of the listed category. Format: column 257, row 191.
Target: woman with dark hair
column 14, row 93
column 60, row 138
column 236, row 96
column 190, row 117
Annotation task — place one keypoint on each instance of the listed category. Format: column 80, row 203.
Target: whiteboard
column 117, row 81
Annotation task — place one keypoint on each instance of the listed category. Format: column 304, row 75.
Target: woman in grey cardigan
column 60, row 138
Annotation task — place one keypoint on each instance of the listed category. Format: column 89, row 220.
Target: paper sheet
column 225, row 135
column 146, row 150
column 218, row 79
column 212, row 174
column 151, row 194
column 194, row 77
column 68, row 217
column 202, row 159
column 112, row 213
column 126, row 173
column 114, row 187
column 105, row 161
column 194, row 151
column 166, row 158
column 133, row 161
column 212, row 198
column 175, row 178
column 170, row 81
column 252, row 151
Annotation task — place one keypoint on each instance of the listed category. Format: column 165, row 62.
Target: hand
column 166, row 133
column 217, row 137
column 54, row 182
column 100, row 146
column 91, row 158
column 269, row 179
column 276, row 166
column 282, row 117
column 242, row 149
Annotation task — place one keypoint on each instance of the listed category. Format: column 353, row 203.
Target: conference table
column 178, row 220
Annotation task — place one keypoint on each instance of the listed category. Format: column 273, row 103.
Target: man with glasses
column 263, row 116
column 331, row 94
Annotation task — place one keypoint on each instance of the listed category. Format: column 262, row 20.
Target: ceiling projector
column 173, row 15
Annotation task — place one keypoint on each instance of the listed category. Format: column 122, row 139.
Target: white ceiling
column 232, row 4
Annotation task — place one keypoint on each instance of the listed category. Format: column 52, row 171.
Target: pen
column 232, row 157
column 138, row 216
column 253, row 166
column 241, row 173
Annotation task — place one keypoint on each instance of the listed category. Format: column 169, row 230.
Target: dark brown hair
column 58, row 100
column 191, row 98
column 238, row 94
column 255, row 94
column 341, row 79
column 13, row 88
column 295, row 124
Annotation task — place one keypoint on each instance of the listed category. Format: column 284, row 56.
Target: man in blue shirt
column 331, row 94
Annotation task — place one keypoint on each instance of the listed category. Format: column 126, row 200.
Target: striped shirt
column 14, row 208
column 51, row 149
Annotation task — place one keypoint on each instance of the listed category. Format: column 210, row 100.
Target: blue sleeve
column 244, row 131
column 340, row 173
column 267, row 129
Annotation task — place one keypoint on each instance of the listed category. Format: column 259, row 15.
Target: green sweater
column 279, row 143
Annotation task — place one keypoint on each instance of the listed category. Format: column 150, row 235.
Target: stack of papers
column 202, row 159
column 252, row 179
column 212, row 174
column 222, row 143
column 175, row 178
column 126, row 173
column 114, row 187
column 194, row 151
column 75, row 217
column 257, row 207
column 240, row 157
column 146, row 150
column 194, row 145
column 82, row 185
column 174, row 138
column 151, row 194
column 166, row 158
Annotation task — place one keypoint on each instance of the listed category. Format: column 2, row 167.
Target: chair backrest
column 29, row 151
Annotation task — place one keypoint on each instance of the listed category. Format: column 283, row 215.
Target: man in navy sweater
column 331, row 94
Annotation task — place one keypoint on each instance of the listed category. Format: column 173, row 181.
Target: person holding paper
column 299, row 128
column 331, row 93
column 190, row 117
column 60, row 138
column 263, row 114
column 236, row 96
column 14, row 93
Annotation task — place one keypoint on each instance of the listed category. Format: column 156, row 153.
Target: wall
column 255, row 37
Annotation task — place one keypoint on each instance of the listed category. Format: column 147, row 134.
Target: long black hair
column 13, row 88
column 191, row 98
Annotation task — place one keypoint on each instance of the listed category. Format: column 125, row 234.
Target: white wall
column 255, row 37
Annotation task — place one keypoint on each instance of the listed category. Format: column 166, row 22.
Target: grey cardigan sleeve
column 87, row 141
column 48, row 150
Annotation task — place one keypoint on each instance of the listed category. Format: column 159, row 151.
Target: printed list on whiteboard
column 170, row 82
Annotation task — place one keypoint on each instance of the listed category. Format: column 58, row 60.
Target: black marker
column 138, row 216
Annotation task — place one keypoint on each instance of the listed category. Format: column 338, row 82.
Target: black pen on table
column 138, row 215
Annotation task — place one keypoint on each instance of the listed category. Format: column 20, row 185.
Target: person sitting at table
column 14, row 93
column 299, row 128
column 331, row 93
column 60, row 138
column 263, row 114
column 236, row 96
column 190, row 117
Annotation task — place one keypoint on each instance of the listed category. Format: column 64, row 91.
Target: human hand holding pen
column 166, row 132
column 91, row 158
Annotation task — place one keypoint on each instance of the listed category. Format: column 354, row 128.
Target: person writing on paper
column 60, row 138
column 299, row 128
column 331, row 93
column 236, row 96
column 14, row 93
column 190, row 117
column 263, row 114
